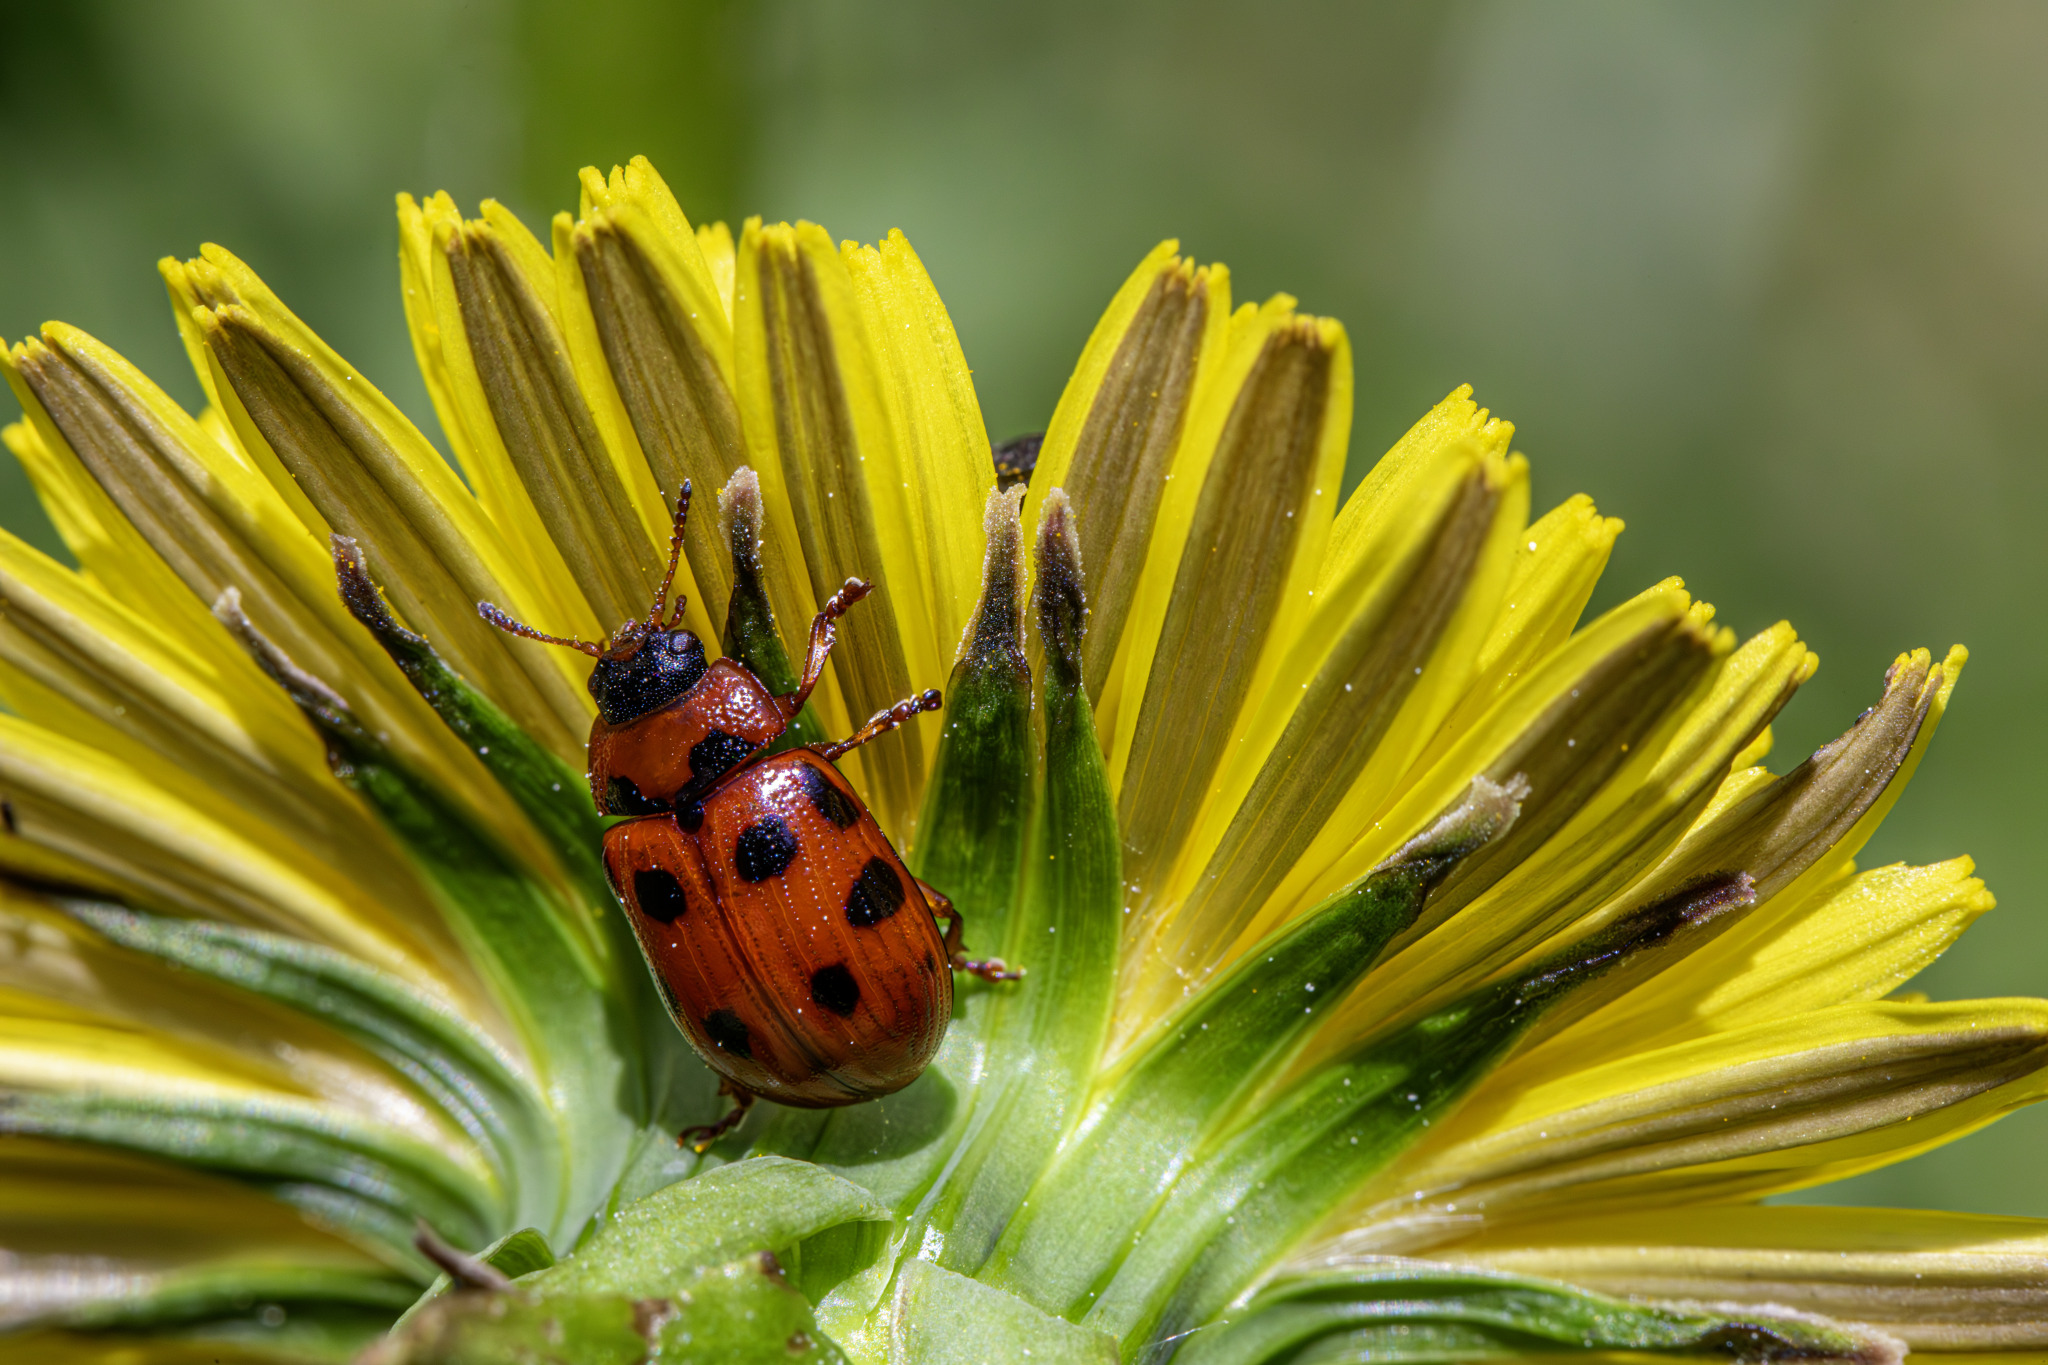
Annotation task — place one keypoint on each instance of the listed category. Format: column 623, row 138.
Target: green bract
column 1411, row 972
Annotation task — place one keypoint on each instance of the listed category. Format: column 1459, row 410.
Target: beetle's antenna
column 512, row 627
column 675, row 556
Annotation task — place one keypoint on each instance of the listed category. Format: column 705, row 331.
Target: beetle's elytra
column 790, row 943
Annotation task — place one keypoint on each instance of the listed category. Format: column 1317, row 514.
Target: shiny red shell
column 790, row 943
column 792, row 946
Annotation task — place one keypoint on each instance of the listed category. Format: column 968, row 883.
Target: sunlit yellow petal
column 814, row 413
column 1859, row 938
column 1209, row 632
column 1940, row 1281
column 715, row 241
column 1116, row 439
column 947, row 469
column 77, row 800
column 1739, row 1114
column 652, row 344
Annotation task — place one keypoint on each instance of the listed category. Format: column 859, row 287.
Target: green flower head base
column 1412, row 972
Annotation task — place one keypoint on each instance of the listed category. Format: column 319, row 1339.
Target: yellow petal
column 1209, row 633
column 947, row 467
column 216, row 522
column 651, row 340
column 527, row 402
column 1337, row 722
column 373, row 476
column 1116, row 435
column 1860, row 938
column 1938, row 1281
column 1737, row 1115
column 66, row 993
column 720, row 260
column 78, row 801
column 1557, row 564
column 821, row 434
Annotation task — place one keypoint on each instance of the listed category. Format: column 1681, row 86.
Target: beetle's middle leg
column 988, row 969
column 882, row 722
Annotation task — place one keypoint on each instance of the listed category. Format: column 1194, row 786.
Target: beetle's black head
column 645, row 664
column 643, row 672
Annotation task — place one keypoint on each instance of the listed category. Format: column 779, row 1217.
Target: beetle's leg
column 882, row 722
column 823, row 633
column 988, row 969
column 700, row 1138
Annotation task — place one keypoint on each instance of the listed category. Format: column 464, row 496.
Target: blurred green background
column 1769, row 280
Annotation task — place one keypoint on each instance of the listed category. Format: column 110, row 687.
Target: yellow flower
column 1413, row 971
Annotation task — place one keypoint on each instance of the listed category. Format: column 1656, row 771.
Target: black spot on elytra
column 877, row 894
column 7, row 816
column 713, row 756
column 728, row 1034
column 659, row 895
column 832, row 803
column 690, row 815
column 766, row 849
column 834, row 988
column 621, row 797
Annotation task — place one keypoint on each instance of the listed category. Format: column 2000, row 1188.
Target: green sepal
column 1261, row 1188
column 1426, row 1310
column 552, row 966
column 1198, row 1064
column 762, row 1204
column 556, row 799
column 941, row 1318
column 970, row 845
column 365, row 1180
column 749, row 634
column 446, row 1057
column 977, row 806
column 739, row 1311
column 1046, row 1032
column 551, row 794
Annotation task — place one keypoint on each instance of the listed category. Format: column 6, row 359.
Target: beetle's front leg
column 988, row 969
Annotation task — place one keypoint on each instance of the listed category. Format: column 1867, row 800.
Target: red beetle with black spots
column 792, row 946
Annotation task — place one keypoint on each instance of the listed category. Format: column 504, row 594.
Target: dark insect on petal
column 766, row 848
column 1016, row 458
column 832, row 803
column 728, row 1034
column 877, row 894
column 834, row 988
column 659, row 895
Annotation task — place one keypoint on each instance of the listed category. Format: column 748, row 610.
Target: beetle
column 789, row 942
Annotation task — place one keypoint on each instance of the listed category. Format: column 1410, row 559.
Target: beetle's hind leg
column 700, row 1138
column 988, row 969
column 882, row 722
